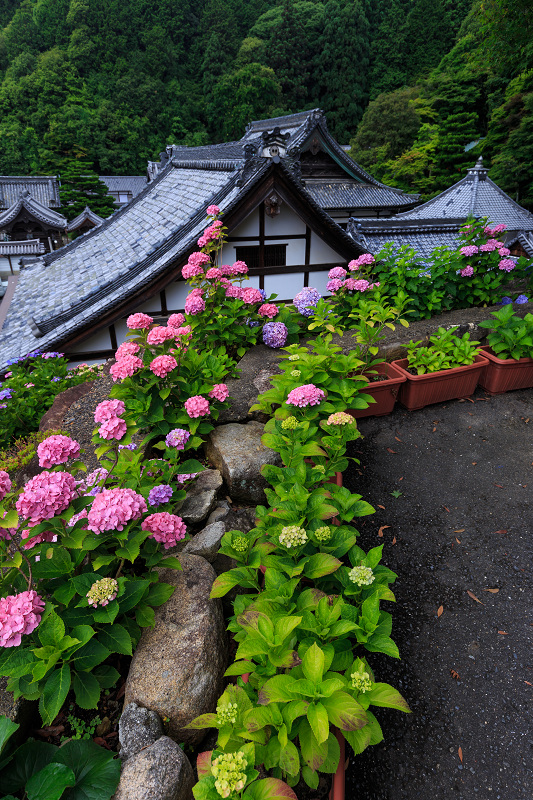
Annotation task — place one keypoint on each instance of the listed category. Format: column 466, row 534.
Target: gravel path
column 79, row 419
column 461, row 526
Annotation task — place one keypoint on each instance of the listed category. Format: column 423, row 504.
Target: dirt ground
column 460, row 527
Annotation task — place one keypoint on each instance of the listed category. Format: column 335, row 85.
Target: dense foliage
column 112, row 82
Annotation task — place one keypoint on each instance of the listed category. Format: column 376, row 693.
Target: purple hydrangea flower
column 505, row 301
column 274, row 334
column 160, row 494
column 131, row 446
column 55, row 380
column 522, row 299
column 263, row 294
column 52, row 355
column 5, row 394
column 177, row 438
column 306, row 300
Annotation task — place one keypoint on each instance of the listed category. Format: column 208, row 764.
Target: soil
column 451, row 486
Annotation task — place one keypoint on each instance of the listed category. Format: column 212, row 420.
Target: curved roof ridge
column 40, row 212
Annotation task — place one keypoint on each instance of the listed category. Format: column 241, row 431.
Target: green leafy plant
column 78, row 770
column 443, row 351
column 82, row 729
column 367, row 326
column 509, row 336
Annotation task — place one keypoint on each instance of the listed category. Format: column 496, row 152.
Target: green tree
column 80, row 187
column 244, row 95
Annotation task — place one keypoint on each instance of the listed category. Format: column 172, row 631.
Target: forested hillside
column 410, row 82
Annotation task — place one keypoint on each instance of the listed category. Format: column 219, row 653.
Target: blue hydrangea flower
column 274, row 334
column 160, row 494
column 306, row 300
column 5, row 394
column 505, row 301
column 54, row 380
column 263, row 294
column 522, row 299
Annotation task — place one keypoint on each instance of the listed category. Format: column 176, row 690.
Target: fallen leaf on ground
column 389, row 450
column 446, row 509
column 398, row 440
column 526, row 420
column 461, row 530
column 457, row 540
column 473, row 596
column 528, row 683
column 474, row 463
column 498, row 485
column 460, row 754
column 455, row 675
column 380, row 532
column 503, row 633
column 503, row 530
column 492, row 591
column 433, row 431
column 440, row 610
column 400, row 479
column 383, row 507
column 394, row 540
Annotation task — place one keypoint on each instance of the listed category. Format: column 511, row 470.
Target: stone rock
column 53, row 419
column 256, row 368
column 236, row 451
column 160, row 772
column 219, row 513
column 201, row 497
column 206, row 542
column 177, row 669
column 138, row 728
column 23, row 712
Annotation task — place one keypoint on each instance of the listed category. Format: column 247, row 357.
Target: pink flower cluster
column 307, row 395
column 125, row 367
column 5, row 484
column 219, row 392
column 504, row 251
column 490, row 246
column 46, row 495
column 20, row 614
column 213, row 274
column 112, row 509
column 33, row 541
column 165, row 528
column 251, row 295
column 494, row 231
column 337, row 272
column 356, row 285
column 191, row 271
column 108, row 412
column 194, row 304
column 212, row 211
column 139, row 321
column 506, row 264
column 113, row 428
column 127, row 349
column 57, row 449
column 268, row 310
column 176, row 320
column 211, row 233
column 467, row 271
column 365, row 260
column 469, row 250
column 197, row 406
column 162, row 365
column 160, row 334
column 234, row 292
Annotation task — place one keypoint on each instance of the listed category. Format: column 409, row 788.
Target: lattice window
column 275, row 255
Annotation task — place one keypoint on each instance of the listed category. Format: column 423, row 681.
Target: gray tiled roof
column 86, row 216
column 474, row 195
column 125, row 183
column 43, row 188
column 422, row 235
column 27, row 247
column 36, row 209
column 337, row 194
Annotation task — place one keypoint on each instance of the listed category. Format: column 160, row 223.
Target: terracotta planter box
column 505, row 374
column 419, row 391
column 383, row 392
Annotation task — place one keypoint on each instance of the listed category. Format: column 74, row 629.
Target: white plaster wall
column 121, row 329
column 100, row 340
column 318, row 281
column 321, row 253
column 5, row 271
column 152, row 306
column 250, row 226
column 287, row 221
column 176, row 293
column 285, row 286
column 295, row 252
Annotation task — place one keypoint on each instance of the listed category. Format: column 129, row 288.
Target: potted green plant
column 369, row 321
column 509, row 351
column 444, row 368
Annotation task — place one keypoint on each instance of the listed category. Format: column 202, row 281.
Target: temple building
column 286, row 190
column 437, row 222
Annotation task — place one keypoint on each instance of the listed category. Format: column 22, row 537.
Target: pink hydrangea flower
column 177, row 438
column 46, row 495
column 125, row 368
column 165, row 528
column 162, row 365
column 268, row 310
column 251, row 295
column 199, row 258
column 159, row 334
column 213, row 274
column 33, row 541
column 112, row 509
column 226, row 269
column 307, row 395
column 5, row 483
column 197, row 406
column 499, row 228
column 234, row 292
column 467, row 271
column 337, row 272
column 57, row 449
column 191, row 271
column 469, row 250
column 20, row 614
column 356, row 285
column 334, row 285
column 212, row 211
column 194, row 304
column 112, row 428
column 139, row 321
column 365, row 259
column 489, row 246
column 107, row 409
column 239, row 268
column 175, row 320
column 127, row 349
column 506, row 264
column 219, row 392
column 504, row 251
